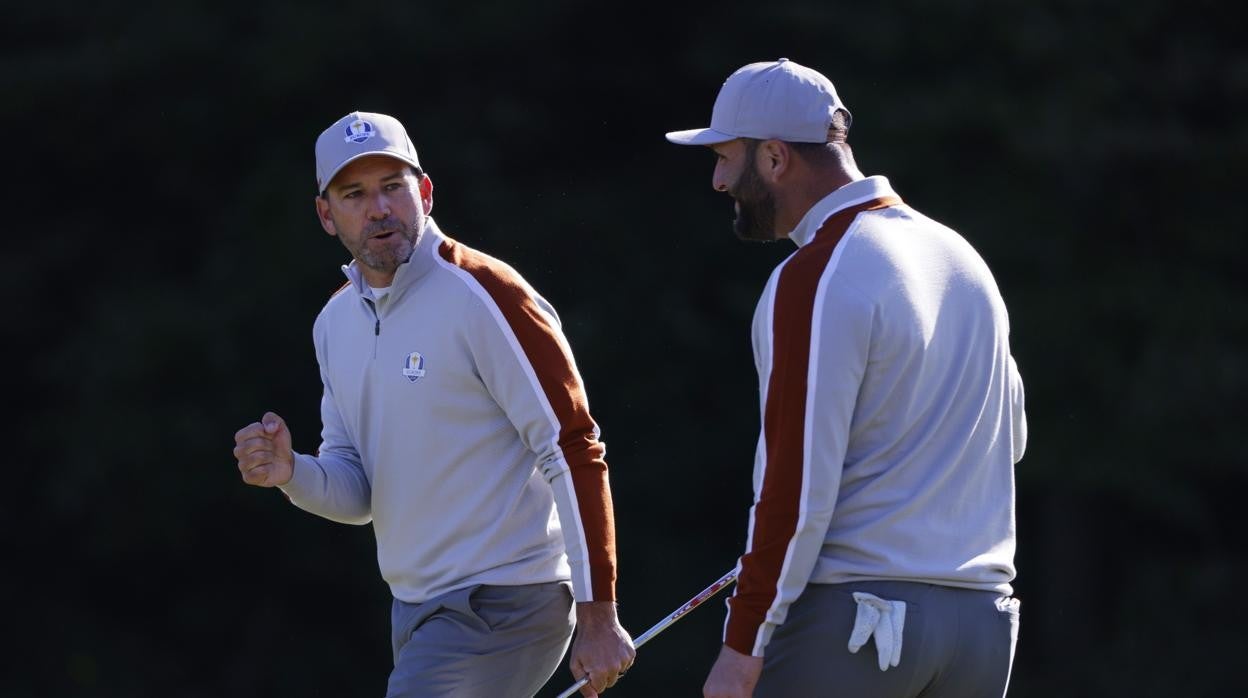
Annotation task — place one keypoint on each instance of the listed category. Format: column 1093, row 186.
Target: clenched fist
column 263, row 452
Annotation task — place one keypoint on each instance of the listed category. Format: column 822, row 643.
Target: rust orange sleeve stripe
column 784, row 423
column 559, row 381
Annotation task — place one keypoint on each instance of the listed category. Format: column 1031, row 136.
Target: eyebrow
column 349, row 185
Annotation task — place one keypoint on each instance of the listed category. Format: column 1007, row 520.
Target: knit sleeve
column 527, row 365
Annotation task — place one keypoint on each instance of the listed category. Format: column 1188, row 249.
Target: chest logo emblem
column 414, row 366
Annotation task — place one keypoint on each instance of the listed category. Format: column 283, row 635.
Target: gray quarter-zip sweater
column 455, row 420
column 892, row 413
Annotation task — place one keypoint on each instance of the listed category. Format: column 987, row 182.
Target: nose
column 718, row 181
column 378, row 207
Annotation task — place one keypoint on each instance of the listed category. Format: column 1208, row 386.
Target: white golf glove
column 883, row 620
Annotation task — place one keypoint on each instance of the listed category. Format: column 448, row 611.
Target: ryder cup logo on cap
column 778, row 99
column 359, row 131
column 358, row 134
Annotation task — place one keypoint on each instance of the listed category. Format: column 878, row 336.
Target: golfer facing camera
column 454, row 419
column 880, row 551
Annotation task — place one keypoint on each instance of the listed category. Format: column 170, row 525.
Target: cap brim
column 699, row 136
column 402, row 157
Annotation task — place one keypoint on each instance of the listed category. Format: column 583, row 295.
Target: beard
column 756, row 206
column 385, row 255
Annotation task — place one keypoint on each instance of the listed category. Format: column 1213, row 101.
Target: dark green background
column 163, row 267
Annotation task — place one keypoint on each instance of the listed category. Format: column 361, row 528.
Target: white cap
column 358, row 134
column 777, row 99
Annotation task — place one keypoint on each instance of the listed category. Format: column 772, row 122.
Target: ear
column 774, row 159
column 426, row 194
column 322, row 214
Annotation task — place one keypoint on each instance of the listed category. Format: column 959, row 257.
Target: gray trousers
column 957, row 643
column 480, row 641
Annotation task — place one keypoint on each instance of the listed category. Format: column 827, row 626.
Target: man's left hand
column 734, row 675
column 602, row 650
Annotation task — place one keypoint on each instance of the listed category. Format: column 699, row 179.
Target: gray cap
column 777, row 99
column 358, row 134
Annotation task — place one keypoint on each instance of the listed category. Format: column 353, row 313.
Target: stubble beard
column 756, row 206
column 386, row 256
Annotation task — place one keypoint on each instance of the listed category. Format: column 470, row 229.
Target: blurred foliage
column 164, row 268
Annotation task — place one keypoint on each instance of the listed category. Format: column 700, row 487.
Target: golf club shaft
column 671, row 618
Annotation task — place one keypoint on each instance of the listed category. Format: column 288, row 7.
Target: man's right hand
column 262, row 448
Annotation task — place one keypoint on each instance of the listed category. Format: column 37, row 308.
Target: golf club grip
column 674, row 616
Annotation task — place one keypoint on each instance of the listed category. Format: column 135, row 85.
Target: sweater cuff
column 303, row 479
column 742, row 630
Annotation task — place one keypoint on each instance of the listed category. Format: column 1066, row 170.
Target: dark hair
column 415, row 170
column 841, row 121
column 838, row 135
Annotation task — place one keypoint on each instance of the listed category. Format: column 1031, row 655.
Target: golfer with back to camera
column 892, row 417
column 455, row 420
